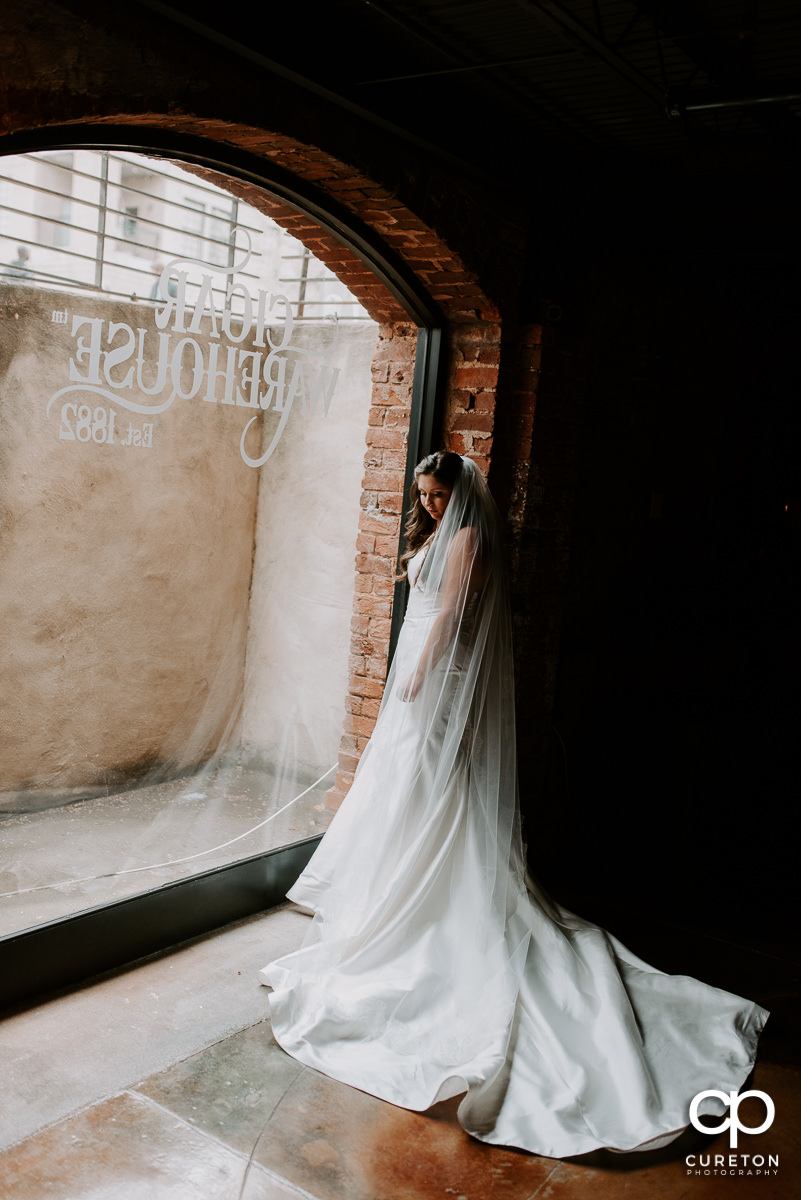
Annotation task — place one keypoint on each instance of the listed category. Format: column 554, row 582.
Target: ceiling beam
column 727, row 64
column 562, row 22
column 535, row 102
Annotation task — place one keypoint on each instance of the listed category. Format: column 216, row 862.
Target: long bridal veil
column 460, row 647
column 417, row 886
column 434, row 966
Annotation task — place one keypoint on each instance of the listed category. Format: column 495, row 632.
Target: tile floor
column 163, row 1082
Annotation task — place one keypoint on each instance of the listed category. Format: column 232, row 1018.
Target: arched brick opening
column 472, row 346
column 517, row 400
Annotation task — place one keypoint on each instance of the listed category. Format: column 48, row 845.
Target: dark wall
column 676, row 701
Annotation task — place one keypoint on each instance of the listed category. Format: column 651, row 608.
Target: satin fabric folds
column 433, row 966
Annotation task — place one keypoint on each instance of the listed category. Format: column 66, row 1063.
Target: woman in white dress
column 434, row 965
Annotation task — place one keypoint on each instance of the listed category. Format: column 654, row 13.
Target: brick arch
column 450, row 284
column 472, row 339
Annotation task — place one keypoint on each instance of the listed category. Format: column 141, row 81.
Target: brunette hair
column 446, row 467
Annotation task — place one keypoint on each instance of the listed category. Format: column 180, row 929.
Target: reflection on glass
column 176, row 619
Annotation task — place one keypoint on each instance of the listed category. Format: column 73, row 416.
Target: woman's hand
column 410, row 687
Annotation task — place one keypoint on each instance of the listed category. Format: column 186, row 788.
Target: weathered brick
column 392, row 502
column 384, row 394
column 373, row 522
column 392, row 437
column 383, row 585
column 474, row 421
column 368, row 687
column 387, row 547
column 360, row 726
column 476, row 377
column 376, row 666
column 530, row 358
column 380, row 628
column 348, row 762
column 397, row 416
column 372, row 606
column 474, row 331
column 371, row 564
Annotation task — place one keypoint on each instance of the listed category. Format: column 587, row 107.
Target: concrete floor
column 163, row 1082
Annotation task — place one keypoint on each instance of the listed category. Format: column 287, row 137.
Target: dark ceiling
column 661, row 87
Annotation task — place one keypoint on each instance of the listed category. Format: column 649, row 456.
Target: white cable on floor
column 44, row 887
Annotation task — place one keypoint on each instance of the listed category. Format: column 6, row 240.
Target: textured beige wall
column 147, row 619
column 303, row 575
column 124, row 571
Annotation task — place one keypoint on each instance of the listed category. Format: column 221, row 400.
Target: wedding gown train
column 415, row 984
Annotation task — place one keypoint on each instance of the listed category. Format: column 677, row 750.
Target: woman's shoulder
column 464, row 540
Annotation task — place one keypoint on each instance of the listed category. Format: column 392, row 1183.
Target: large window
column 184, row 403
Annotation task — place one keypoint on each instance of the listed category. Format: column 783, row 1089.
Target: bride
column 435, row 966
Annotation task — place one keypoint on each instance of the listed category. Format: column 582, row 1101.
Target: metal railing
column 105, row 245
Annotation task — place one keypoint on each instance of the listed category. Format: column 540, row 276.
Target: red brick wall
column 475, row 357
column 473, row 352
column 377, row 543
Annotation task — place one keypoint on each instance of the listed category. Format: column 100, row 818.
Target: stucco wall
column 302, row 594
column 125, row 569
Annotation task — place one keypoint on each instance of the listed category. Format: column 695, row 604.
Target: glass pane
column 184, row 405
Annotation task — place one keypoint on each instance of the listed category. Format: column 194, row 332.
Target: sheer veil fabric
column 434, row 966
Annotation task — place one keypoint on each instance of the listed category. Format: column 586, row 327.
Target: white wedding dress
column 415, row 984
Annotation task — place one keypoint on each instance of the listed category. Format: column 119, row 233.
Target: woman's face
column 434, row 496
